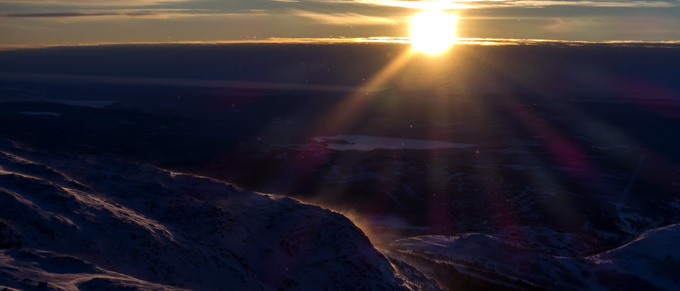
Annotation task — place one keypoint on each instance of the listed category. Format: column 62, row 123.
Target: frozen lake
column 369, row 143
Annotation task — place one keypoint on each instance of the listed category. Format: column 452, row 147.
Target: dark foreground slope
column 84, row 222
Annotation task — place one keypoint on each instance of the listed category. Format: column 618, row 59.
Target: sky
column 71, row 22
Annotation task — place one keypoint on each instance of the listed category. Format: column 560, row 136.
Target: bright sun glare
column 433, row 31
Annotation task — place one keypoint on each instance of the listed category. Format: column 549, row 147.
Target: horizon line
column 349, row 40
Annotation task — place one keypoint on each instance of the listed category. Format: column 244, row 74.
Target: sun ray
column 350, row 110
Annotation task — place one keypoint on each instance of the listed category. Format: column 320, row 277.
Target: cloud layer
column 146, row 13
column 106, row 3
column 462, row 4
column 47, row 21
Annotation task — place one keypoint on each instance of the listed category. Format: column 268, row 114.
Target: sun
column 433, row 31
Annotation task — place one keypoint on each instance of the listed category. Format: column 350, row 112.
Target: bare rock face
column 70, row 222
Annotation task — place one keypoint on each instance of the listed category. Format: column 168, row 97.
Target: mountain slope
column 70, row 222
column 649, row 262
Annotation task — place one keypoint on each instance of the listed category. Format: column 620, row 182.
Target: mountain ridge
column 121, row 224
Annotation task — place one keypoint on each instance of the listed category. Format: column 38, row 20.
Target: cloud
column 425, row 4
column 605, row 3
column 105, row 14
column 56, row 14
column 567, row 25
column 465, row 4
column 394, row 40
column 92, row 3
column 344, row 18
column 112, row 13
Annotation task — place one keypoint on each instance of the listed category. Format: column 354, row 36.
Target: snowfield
column 72, row 222
column 650, row 262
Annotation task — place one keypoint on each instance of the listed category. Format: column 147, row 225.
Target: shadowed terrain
column 570, row 152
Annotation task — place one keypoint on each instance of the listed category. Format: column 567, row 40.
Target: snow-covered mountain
column 650, row 262
column 72, row 222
